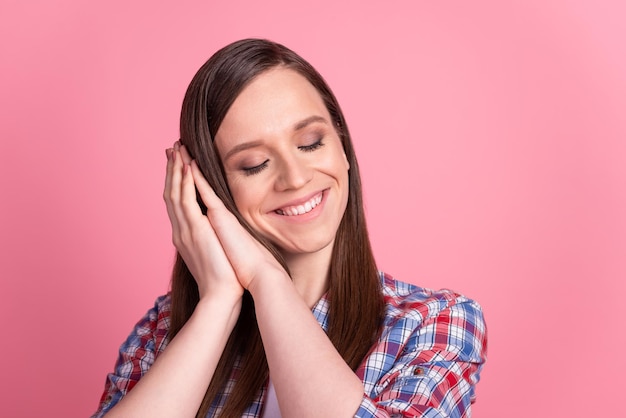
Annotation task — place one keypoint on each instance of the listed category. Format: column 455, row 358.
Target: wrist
column 226, row 292
column 269, row 283
column 229, row 303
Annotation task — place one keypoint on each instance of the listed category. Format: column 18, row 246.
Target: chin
column 303, row 248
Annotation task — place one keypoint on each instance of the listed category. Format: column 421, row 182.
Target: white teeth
column 301, row 209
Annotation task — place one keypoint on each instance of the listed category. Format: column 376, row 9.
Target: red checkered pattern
column 426, row 363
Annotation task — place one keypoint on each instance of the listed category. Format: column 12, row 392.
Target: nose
column 293, row 173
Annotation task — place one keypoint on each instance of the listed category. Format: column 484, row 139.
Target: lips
column 301, row 209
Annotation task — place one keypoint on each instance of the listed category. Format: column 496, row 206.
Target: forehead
column 273, row 103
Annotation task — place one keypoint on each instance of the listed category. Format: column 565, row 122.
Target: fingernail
column 176, row 145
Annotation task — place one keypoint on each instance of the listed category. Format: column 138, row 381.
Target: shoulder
column 153, row 328
column 159, row 314
column 429, row 354
column 403, row 299
column 411, row 302
column 137, row 353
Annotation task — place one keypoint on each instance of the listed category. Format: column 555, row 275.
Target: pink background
column 491, row 136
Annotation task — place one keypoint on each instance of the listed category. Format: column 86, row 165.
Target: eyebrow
column 242, row 147
column 252, row 144
column 306, row 122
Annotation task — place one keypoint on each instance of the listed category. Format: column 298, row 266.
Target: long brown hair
column 355, row 298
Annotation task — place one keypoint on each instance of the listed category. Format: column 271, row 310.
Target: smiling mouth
column 306, row 207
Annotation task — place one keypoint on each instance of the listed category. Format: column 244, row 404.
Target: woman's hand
column 221, row 253
column 192, row 233
column 216, row 248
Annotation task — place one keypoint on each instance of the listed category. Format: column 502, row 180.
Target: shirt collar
column 320, row 312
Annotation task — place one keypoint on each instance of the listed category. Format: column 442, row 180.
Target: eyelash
column 314, row 146
column 250, row 171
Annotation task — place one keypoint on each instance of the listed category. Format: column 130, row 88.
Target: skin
column 299, row 154
column 307, row 372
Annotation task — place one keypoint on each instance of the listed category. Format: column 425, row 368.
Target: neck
column 310, row 273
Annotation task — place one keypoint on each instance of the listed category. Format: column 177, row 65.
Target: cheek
column 340, row 162
column 248, row 197
column 237, row 191
column 340, row 157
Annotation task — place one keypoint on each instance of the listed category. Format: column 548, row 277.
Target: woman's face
column 284, row 162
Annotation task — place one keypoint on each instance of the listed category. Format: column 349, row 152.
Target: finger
column 167, row 192
column 238, row 244
column 185, row 155
column 183, row 150
column 179, row 222
column 203, row 251
column 210, row 199
column 199, row 224
column 189, row 203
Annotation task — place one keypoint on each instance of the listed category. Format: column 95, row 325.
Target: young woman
column 277, row 308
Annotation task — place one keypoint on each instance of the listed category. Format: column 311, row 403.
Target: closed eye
column 314, row 146
column 250, row 171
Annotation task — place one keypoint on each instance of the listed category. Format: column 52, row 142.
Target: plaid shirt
column 426, row 362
